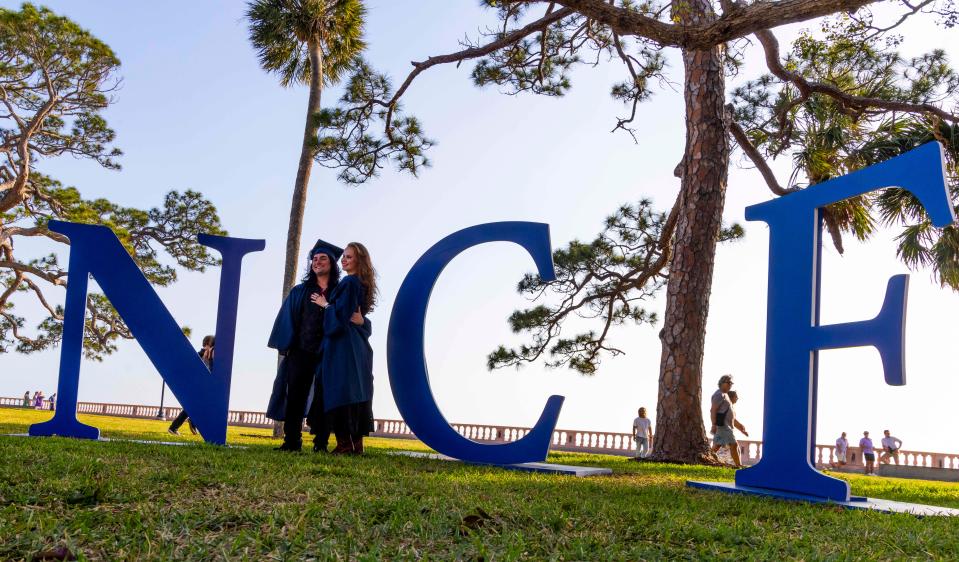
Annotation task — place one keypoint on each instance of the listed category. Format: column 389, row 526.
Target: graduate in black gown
column 298, row 336
column 347, row 363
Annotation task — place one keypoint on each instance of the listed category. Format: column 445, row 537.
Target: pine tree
column 55, row 81
column 536, row 43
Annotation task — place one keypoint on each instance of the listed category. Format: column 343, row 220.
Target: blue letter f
column 793, row 333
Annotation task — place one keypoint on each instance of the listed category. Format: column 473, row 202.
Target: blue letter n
column 96, row 251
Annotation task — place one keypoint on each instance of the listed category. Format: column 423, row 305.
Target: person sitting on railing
column 891, row 446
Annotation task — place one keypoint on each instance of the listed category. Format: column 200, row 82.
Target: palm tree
column 306, row 41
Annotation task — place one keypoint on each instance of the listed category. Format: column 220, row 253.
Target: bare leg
column 734, row 451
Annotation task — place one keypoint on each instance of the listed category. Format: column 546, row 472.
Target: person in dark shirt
column 298, row 336
column 206, row 355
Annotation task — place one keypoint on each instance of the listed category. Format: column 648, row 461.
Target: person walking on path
column 890, row 448
column 206, row 355
column 347, row 364
column 26, row 399
column 38, row 400
column 53, row 401
column 868, row 452
column 842, row 446
column 721, row 416
column 642, row 434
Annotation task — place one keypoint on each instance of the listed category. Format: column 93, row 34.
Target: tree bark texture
column 680, row 435
column 298, row 205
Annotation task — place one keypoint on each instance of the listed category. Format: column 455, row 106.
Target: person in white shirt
column 891, row 446
column 842, row 445
column 642, row 434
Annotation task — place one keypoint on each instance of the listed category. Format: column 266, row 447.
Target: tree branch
column 471, row 53
column 771, row 47
column 912, row 10
column 740, row 22
column 43, row 301
column 8, row 232
column 56, row 279
column 16, row 332
column 753, row 153
column 14, row 285
column 605, row 280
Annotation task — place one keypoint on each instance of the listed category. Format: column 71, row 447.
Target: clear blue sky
column 196, row 112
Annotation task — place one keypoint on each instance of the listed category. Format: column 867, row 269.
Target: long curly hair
column 366, row 274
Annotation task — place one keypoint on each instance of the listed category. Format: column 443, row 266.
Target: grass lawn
column 123, row 500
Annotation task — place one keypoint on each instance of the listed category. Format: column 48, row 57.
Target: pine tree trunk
column 300, row 185
column 680, row 434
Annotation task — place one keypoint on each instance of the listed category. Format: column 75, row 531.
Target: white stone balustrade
column 602, row 442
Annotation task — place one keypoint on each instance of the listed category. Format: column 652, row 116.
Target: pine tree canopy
column 841, row 97
column 55, row 81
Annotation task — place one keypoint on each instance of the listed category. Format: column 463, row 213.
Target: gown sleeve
column 281, row 337
column 346, row 299
column 367, row 328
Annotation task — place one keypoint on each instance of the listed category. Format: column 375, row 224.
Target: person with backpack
column 722, row 418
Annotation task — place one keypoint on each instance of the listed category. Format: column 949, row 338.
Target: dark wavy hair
column 310, row 277
column 366, row 274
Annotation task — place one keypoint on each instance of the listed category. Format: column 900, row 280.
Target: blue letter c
column 405, row 348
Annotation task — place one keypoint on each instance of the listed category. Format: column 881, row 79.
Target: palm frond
column 282, row 30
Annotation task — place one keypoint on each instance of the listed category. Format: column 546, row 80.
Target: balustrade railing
column 603, row 442
column 826, row 455
column 6, row 401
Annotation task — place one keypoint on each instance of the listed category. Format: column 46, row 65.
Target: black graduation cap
column 326, row 248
